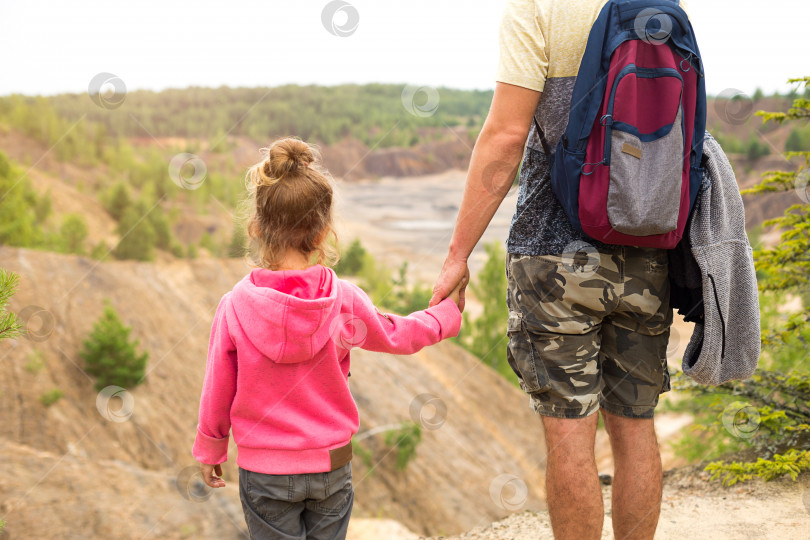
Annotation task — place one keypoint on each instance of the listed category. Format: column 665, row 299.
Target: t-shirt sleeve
column 523, row 60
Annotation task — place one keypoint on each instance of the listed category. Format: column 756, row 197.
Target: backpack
column 627, row 169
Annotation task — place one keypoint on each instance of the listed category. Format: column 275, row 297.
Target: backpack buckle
column 606, row 120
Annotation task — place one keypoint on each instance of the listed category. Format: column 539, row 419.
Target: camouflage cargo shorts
column 590, row 328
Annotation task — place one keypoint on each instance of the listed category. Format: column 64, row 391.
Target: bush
column 238, row 246
column 161, row 227
column 798, row 140
column 137, row 236
column 35, row 362
column 118, row 201
column 9, row 325
column 100, row 251
column 50, row 397
column 393, row 294
column 73, row 233
column 42, row 208
column 110, row 356
column 756, row 149
column 765, row 420
column 485, row 336
column 405, row 440
column 207, row 242
column 351, row 262
column 18, row 225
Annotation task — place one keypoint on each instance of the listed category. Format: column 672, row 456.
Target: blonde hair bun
column 287, row 156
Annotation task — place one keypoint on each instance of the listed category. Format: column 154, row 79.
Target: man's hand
column 454, row 275
column 493, row 165
column 210, row 479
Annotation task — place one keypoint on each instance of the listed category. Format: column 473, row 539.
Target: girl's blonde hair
column 290, row 205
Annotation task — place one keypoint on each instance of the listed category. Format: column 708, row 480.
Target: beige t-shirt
column 541, row 47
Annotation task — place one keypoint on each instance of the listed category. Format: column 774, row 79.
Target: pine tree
column 778, row 401
column 238, row 245
column 18, row 226
column 110, row 356
column 485, row 336
column 137, row 237
column 9, row 325
column 73, row 233
column 118, row 201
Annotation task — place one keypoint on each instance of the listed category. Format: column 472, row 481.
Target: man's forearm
column 493, row 166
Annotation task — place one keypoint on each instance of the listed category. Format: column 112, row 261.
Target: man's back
column 541, row 44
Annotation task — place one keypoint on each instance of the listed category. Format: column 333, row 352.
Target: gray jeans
column 297, row 506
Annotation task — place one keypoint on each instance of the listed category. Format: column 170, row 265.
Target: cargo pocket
column 520, row 354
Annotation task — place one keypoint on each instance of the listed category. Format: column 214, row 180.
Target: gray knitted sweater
column 726, row 344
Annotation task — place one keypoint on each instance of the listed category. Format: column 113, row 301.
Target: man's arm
column 494, row 163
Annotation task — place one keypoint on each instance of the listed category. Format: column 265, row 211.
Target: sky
column 55, row 47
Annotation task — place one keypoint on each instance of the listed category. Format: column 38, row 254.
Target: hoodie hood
column 287, row 314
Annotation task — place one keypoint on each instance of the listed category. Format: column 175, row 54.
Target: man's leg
column 572, row 484
column 636, row 478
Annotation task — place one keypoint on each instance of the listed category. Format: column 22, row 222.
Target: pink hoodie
column 278, row 365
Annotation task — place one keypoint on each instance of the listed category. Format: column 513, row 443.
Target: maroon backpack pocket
column 644, row 151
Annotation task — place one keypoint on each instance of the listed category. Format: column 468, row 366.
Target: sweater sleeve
column 219, row 388
column 368, row 328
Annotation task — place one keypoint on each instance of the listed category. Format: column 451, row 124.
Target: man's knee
column 574, row 436
column 632, row 431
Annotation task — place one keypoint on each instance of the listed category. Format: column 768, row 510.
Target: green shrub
column 207, row 242
column 137, row 236
column 798, row 140
column 110, row 356
column 177, row 250
column 405, row 440
column 351, row 262
column 100, row 251
column 756, row 149
column 389, row 292
column 485, row 336
column 18, row 225
column 35, row 362
column 405, row 298
column 765, row 421
column 161, row 227
column 238, row 245
column 73, row 233
column 51, row 396
column 9, row 325
column 42, row 208
column 118, row 200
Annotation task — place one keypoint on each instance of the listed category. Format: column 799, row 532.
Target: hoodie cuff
column 209, row 450
column 449, row 317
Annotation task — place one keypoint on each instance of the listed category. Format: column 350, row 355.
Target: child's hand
column 455, row 294
column 209, row 478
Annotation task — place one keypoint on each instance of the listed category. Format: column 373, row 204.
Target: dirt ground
column 691, row 509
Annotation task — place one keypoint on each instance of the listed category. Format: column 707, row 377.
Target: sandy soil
column 691, row 509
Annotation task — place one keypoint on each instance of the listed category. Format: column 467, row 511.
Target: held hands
column 211, row 479
column 451, row 283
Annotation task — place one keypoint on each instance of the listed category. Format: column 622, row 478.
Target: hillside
column 100, row 479
column 78, row 475
column 79, row 156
